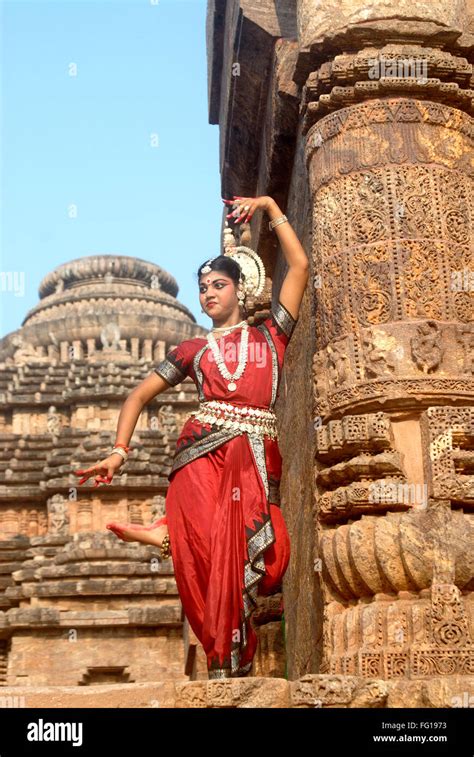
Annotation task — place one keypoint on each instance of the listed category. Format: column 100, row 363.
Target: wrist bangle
column 277, row 221
column 123, row 446
column 120, row 451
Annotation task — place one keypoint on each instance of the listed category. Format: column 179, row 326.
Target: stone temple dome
column 98, row 301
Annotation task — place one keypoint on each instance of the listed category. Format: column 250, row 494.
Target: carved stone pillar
column 390, row 159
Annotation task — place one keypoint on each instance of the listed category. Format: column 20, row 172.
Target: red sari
column 228, row 538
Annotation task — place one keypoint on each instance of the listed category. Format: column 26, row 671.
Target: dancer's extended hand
column 245, row 207
column 104, row 470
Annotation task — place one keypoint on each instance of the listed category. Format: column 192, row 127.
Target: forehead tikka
column 207, row 267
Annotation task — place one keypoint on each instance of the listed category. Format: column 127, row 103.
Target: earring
column 240, row 293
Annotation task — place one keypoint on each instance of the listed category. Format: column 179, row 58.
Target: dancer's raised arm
column 294, row 283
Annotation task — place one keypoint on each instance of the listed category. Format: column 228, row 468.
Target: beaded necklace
column 223, row 370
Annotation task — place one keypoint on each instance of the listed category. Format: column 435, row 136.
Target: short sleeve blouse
column 177, row 363
column 280, row 324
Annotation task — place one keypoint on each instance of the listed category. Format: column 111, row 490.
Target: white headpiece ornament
column 250, row 263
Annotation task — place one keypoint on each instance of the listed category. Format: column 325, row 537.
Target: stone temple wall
column 357, row 117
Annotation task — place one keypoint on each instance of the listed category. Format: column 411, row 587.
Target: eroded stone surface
column 311, row 691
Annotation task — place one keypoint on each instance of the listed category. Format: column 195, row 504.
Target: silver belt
column 254, row 420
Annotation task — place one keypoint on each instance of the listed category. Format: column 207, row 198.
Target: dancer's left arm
column 294, row 283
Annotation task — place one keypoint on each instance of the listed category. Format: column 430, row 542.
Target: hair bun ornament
column 207, row 268
column 251, row 264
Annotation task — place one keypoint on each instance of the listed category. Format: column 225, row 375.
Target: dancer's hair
column 225, row 264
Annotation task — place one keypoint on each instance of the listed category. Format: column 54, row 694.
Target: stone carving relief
column 110, row 336
column 166, row 420
column 25, row 352
column 157, row 507
column 338, row 362
column 425, row 347
column 448, row 433
column 58, row 515
column 466, row 340
column 54, row 422
column 365, row 473
column 379, row 354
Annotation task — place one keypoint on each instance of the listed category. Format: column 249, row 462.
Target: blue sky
column 84, row 87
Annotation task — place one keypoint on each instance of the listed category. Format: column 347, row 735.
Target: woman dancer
column 223, row 524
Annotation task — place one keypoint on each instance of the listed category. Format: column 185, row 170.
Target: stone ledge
column 163, row 615
column 312, row 690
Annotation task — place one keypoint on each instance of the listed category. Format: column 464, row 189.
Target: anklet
column 165, row 547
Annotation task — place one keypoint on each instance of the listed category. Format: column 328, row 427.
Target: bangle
column 277, row 221
column 123, row 446
column 119, row 451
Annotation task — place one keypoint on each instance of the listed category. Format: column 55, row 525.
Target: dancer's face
column 216, row 287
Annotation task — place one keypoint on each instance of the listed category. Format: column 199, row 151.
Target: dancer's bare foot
column 144, row 534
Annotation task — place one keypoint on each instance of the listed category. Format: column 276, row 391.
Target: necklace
column 223, row 370
column 227, row 329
